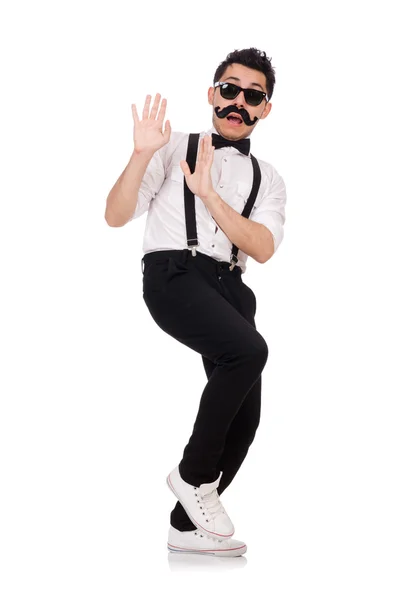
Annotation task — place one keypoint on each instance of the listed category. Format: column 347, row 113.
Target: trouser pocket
column 159, row 273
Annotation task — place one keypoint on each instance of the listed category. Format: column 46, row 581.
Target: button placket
column 219, row 270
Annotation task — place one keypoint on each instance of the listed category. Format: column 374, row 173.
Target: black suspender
column 190, row 212
column 190, row 207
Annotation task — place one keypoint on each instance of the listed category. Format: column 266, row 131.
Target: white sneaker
column 202, row 505
column 196, row 542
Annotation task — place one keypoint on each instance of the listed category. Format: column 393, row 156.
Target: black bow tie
column 242, row 145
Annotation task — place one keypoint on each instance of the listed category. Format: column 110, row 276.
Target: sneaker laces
column 212, row 503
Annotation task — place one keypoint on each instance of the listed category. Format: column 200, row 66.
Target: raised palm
column 148, row 132
column 200, row 182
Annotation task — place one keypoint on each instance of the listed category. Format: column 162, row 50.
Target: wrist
column 147, row 154
column 212, row 197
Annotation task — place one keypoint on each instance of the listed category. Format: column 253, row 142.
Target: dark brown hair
column 254, row 59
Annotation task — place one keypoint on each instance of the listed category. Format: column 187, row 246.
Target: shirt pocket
column 243, row 192
column 177, row 174
column 243, row 189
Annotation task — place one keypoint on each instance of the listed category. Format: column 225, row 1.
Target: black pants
column 201, row 303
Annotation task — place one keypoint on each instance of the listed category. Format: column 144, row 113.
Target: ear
column 211, row 91
column 267, row 110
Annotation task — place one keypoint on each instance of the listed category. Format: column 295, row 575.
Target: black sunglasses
column 230, row 91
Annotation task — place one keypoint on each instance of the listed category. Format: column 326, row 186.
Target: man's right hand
column 148, row 133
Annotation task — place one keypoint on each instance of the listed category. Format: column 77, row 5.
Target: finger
column 200, row 151
column 167, row 130
column 185, row 168
column 207, row 148
column 145, row 113
column 162, row 110
column 204, row 146
column 135, row 114
column 153, row 112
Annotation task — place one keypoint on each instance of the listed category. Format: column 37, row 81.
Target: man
column 210, row 204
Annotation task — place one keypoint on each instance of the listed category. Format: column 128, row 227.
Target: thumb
column 167, row 131
column 185, row 168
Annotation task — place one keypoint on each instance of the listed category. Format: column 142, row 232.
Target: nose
column 240, row 101
column 240, row 98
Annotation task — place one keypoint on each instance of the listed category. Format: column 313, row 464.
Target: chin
column 229, row 129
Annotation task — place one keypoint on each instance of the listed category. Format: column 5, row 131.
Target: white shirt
column 161, row 194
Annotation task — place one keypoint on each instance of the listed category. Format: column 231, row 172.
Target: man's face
column 245, row 78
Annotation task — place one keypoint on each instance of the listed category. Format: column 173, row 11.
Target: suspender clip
column 234, row 261
column 191, row 247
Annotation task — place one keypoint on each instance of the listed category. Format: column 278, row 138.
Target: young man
column 204, row 221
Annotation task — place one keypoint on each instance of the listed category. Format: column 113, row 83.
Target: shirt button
column 221, row 186
column 213, row 245
column 225, row 159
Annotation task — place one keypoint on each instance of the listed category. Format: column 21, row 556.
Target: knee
column 254, row 352
column 256, row 357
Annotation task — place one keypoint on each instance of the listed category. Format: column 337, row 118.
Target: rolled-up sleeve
column 152, row 181
column 270, row 212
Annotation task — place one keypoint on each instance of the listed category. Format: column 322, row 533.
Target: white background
column 98, row 403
